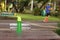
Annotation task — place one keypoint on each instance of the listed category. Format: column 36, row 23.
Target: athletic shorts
column 47, row 14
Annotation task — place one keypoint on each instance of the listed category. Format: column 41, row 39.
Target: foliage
column 38, row 0
column 36, row 11
column 58, row 24
column 57, row 31
column 23, row 4
column 56, row 14
column 45, row 1
column 41, row 0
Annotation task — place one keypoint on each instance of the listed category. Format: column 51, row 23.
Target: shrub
column 57, row 31
column 36, row 11
column 58, row 24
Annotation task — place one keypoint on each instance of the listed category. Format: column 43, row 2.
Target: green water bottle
column 19, row 25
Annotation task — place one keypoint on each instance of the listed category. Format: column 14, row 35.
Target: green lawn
column 37, row 18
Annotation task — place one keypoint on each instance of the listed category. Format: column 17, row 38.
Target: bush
column 36, row 11
column 58, row 24
column 55, row 14
column 57, row 31
column 59, row 14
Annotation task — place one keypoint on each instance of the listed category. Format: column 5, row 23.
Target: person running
column 47, row 13
column 48, row 10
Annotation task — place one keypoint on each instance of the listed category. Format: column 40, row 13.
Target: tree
column 45, row 1
column 23, row 4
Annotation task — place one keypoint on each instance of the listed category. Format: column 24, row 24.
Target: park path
column 35, row 25
column 38, row 31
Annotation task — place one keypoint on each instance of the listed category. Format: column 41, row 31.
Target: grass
column 37, row 18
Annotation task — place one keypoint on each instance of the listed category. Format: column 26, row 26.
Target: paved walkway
column 38, row 31
column 38, row 25
column 29, row 35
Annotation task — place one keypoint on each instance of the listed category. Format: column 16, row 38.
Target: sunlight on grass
column 32, row 17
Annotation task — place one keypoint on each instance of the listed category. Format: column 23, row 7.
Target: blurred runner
column 47, row 13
